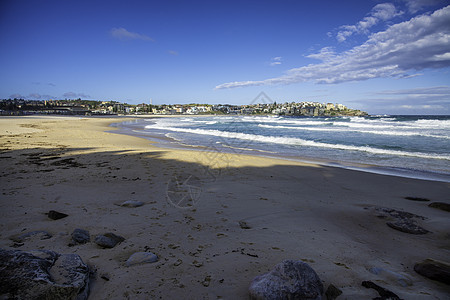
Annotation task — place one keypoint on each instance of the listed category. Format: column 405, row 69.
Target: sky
column 383, row 57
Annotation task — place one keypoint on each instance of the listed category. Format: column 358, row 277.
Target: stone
column 108, row 240
column 206, row 281
column 80, row 236
column 290, row 279
column 141, row 258
column 42, row 274
column 435, row 270
column 178, row 262
column 132, row 203
column 388, row 276
column 244, row 225
column 440, row 205
column 417, row 199
column 397, row 214
column 55, row 215
column 401, row 220
column 40, row 234
column 69, row 269
column 407, row 226
column 197, row 264
column 105, row 277
column 332, row 292
column 384, row 293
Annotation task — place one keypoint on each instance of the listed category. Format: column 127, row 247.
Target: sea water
column 410, row 146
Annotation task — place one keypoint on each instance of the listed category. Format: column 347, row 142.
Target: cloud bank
column 420, row 43
column 124, row 35
column 72, row 95
column 32, row 96
column 422, row 100
column 37, row 96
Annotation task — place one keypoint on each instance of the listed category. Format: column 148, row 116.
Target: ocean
column 408, row 146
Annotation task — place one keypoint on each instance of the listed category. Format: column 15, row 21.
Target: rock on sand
column 289, row 279
column 108, row 240
column 42, row 274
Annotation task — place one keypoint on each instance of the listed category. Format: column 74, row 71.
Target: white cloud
column 72, row 95
column 173, row 52
column 34, row 96
column 325, row 54
column 421, row 107
column 344, row 34
column 385, row 11
column 123, row 34
column 429, row 91
column 16, row 96
column 416, row 5
column 276, row 61
column 445, row 56
column 424, row 96
column 420, row 43
column 422, row 100
column 380, row 12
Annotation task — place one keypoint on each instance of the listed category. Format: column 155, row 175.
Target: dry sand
column 321, row 215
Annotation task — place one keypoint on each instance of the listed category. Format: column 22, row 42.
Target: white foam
column 436, row 124
column 299, row 142
column 380, row 132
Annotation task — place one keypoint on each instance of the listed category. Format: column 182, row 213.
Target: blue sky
column 380, row 56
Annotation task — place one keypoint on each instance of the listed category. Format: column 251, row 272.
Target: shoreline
column 165, row 142
column 326, row 216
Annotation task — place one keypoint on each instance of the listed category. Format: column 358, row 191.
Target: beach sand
column 215, row 220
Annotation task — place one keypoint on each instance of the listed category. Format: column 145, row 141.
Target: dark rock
column 289, row 279
column 141, row 258
column 42, row 274
column 434, row 270
column 81, row 236
column 332, row 292
column 108, row 240
column 440, row 205
column 104, row 277
column 407, row 226
column 397, row 214
column 417, row 199
column 42, row 235
column 244, row 225
column 55, row 215
column 384, row 293
column 402, row 220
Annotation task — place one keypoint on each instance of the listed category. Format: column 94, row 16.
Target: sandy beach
column 215, row 220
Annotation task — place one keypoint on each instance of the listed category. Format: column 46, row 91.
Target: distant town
column 92, row 107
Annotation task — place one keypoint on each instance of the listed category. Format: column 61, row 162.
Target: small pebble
column 141, row 258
